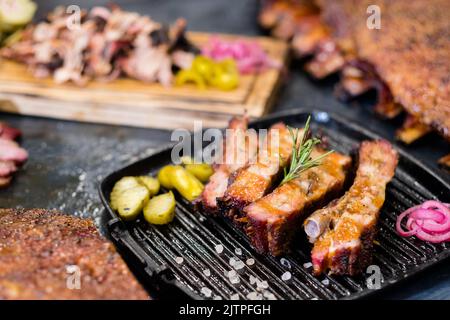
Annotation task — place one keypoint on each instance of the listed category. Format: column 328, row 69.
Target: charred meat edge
column 239, row 144
column 253, row 181
column 343, row 232
column 274, row 219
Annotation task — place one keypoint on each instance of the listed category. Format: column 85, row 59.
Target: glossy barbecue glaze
column 274, row 219
column 255, row 180
column 346, row 228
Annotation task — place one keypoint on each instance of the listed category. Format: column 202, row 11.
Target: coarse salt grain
column 238, row 251
column 326, row 282
column 254, row 296
column 179, row 260
column 206, row 292
column 234, row 297
column 232, row 261
column 207, row 272
column 269, row 295
column 235, row 279
column 217, row 298
column 231, row 273
column 307, row 265
column 286, row 276
column 262, row 284
column 239, row 265
column 253, row 279
column 219, row 248
column 250, row 262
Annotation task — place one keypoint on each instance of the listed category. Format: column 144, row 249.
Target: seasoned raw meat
column 40, row 249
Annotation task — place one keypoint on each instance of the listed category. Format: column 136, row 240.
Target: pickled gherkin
column 160, row 209
column 16, row 13
column 185, row 183
column 164, row 176
column 131, row 202
column 202, row 171
column 151, row 183
column 123, row 184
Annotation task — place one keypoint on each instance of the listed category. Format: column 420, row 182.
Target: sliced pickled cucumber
column 164, row 176
column 113, row 197
column 202, row 171
column 123, row 184
column 151, row 183
column 131, row 202
column 160, row 209
column 185, row 183
column 126, row 183
column 16, row 13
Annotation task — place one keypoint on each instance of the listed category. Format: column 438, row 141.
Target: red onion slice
column 429, row 221
column 398, row 225
column 427, row 214
column 434, row 238
column 250, row 57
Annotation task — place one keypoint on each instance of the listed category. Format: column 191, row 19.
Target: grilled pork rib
column 273, row 219
column 410, row 52
column 255, row 180
column 406, row 61
column 358, row 77
column 239, row 146
column 343, row 232
column 41, row 251
column 285, row 18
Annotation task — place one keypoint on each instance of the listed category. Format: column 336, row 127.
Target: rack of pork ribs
column 12, row 156
column 271, row 214
column 406, row 61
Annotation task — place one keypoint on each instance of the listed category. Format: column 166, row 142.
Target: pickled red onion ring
column 429, row 221
column 250, row 57
column 426, row 214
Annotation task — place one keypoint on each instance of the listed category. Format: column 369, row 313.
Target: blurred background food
column 404, row 57
column 14, row 16
column 118, row 61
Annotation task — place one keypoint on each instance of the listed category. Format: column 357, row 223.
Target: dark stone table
column 68, row 159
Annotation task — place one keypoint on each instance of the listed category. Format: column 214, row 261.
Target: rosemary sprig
column 301, row 153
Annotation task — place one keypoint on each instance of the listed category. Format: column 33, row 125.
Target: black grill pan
column 181, row 259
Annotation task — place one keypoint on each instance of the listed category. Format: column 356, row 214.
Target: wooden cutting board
column 135, row 103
